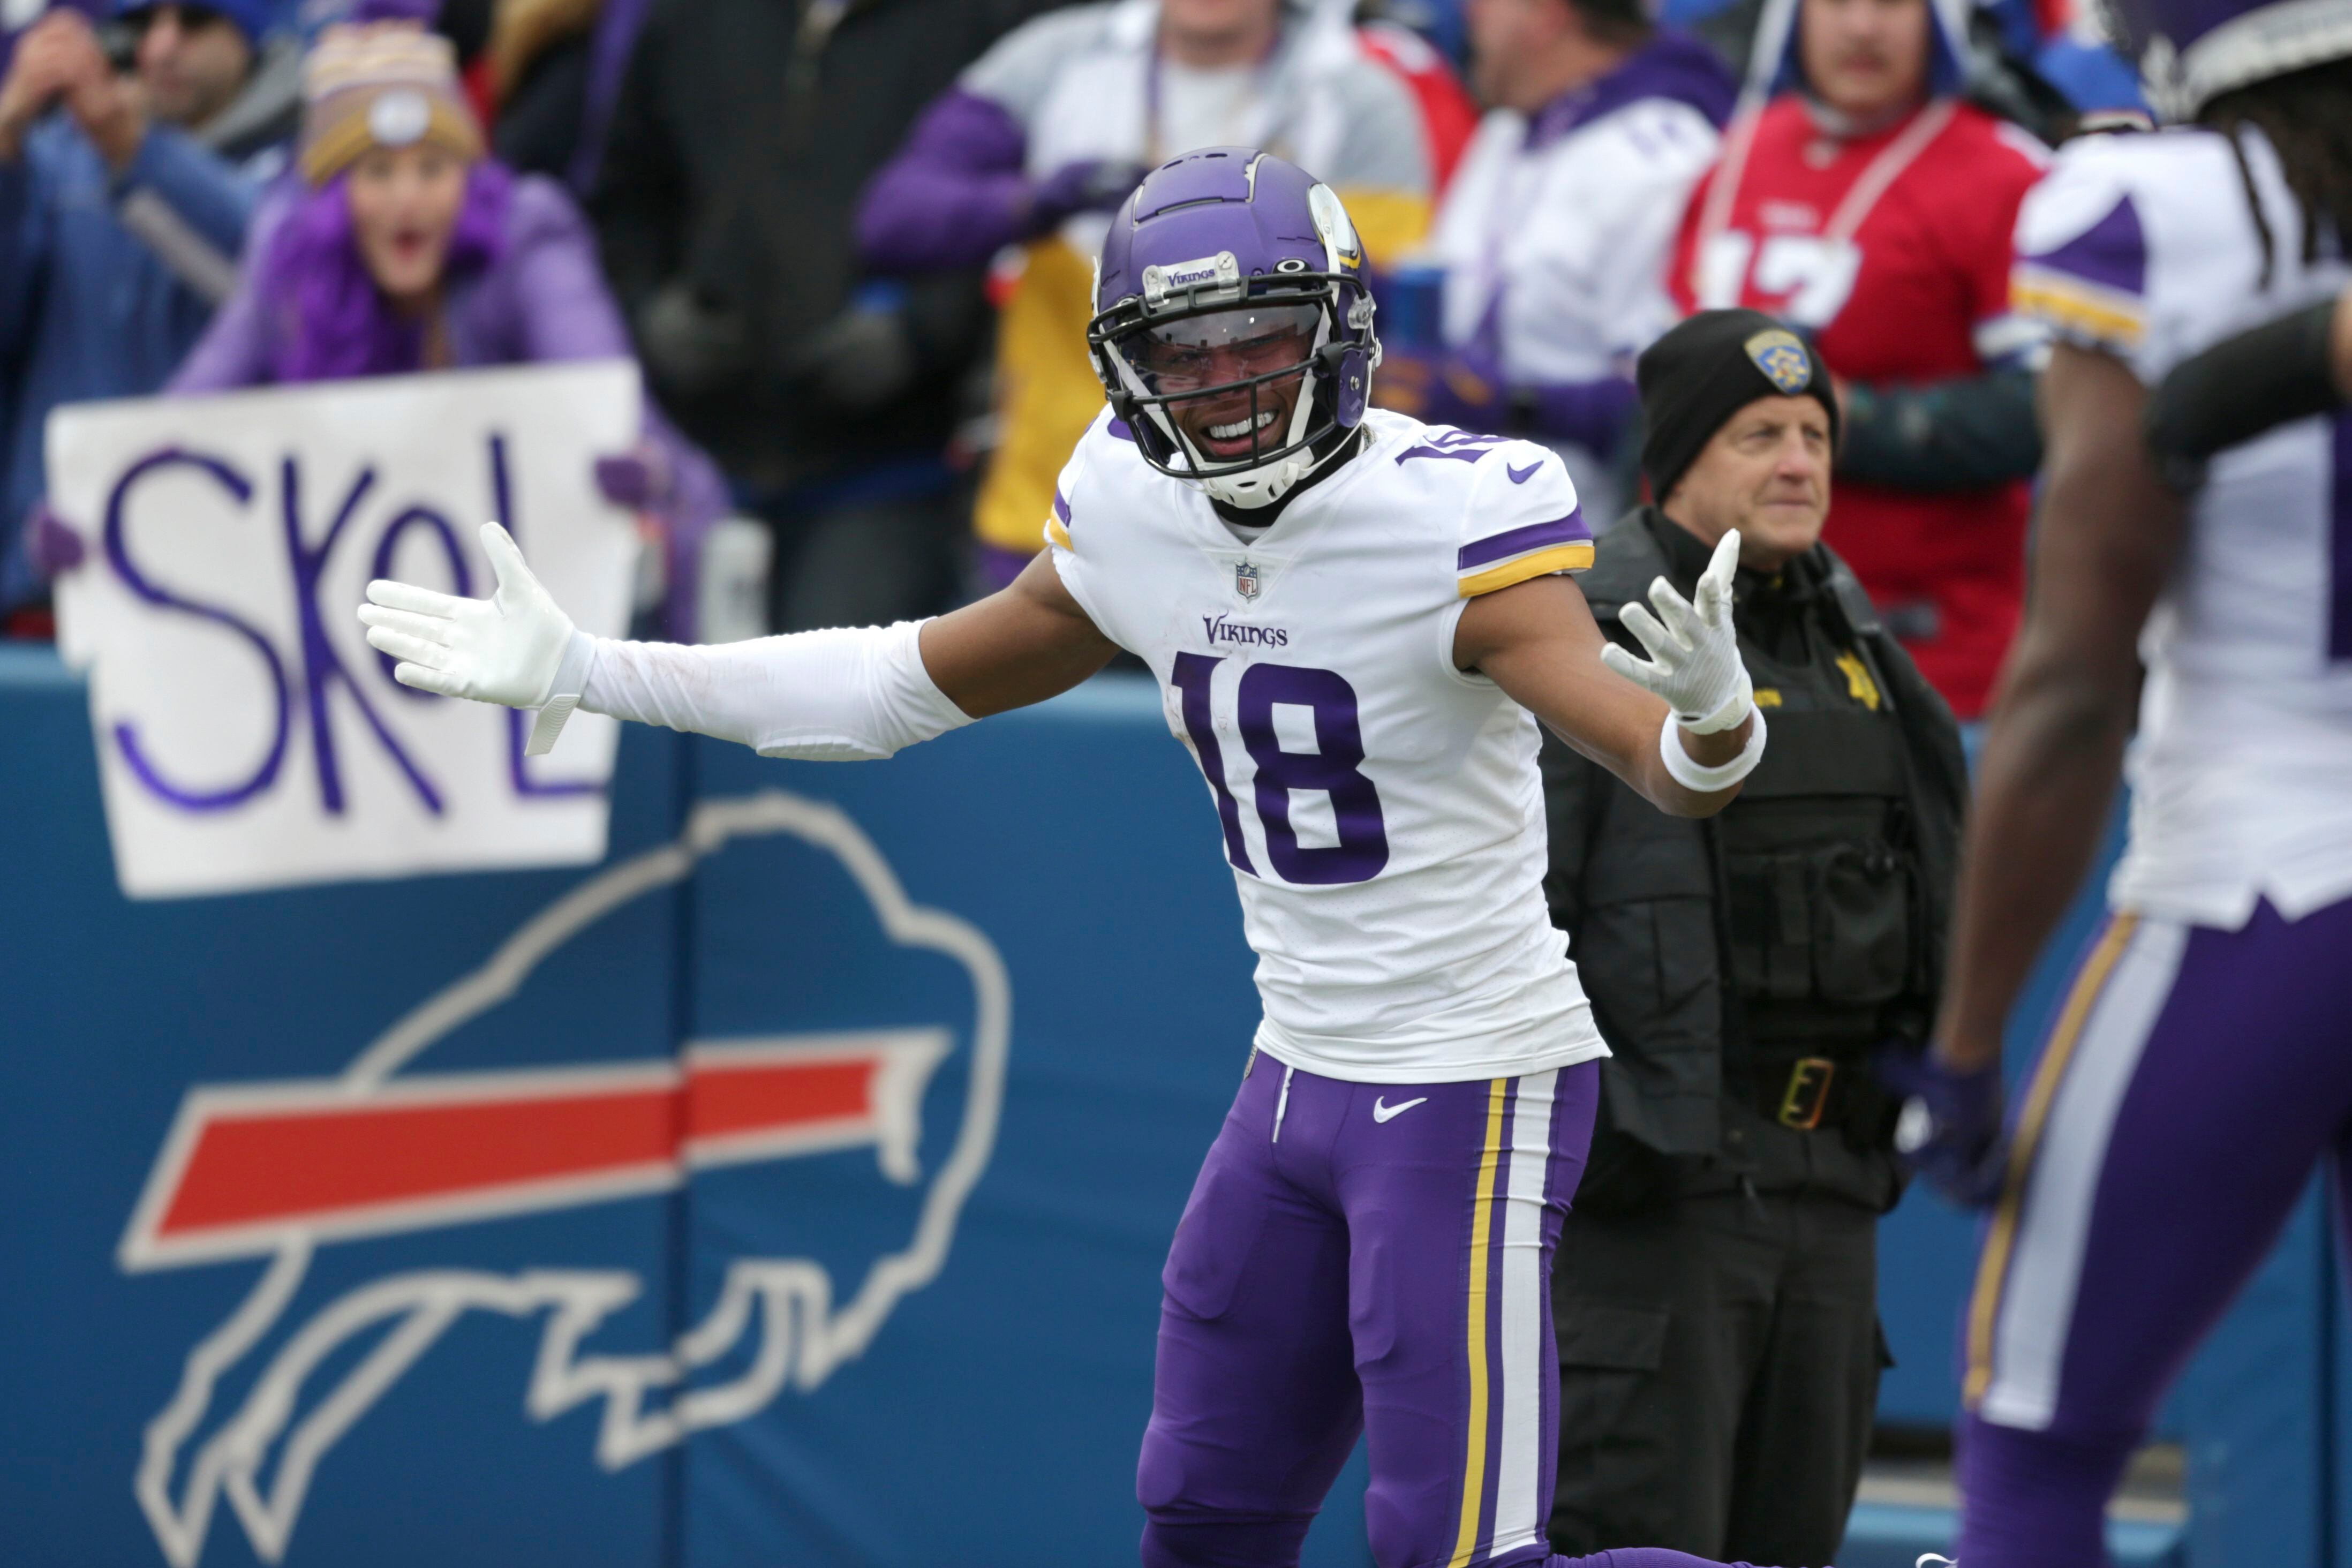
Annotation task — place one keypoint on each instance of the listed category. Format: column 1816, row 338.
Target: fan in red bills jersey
column 1860, row 198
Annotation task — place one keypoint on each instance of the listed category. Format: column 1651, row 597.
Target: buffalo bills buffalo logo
column 291, row 1179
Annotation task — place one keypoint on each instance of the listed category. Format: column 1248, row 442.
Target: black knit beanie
column 1709, row 368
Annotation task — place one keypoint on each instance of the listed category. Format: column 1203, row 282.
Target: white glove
column 506, row 648
column 1693, row 659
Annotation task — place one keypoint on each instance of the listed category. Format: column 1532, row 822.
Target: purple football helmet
column 1228, row 278
column 2192, row 51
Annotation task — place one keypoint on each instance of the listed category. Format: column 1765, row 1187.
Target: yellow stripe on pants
column 1474, row 1471
column 2001, row 1241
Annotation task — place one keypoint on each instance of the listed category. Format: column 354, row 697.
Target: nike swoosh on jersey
column 1521, row 475
column 1383, row 1112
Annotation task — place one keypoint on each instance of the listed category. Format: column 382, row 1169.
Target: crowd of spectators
column 848, row 241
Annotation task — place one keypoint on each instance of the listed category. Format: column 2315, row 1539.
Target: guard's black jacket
column 1645, row 899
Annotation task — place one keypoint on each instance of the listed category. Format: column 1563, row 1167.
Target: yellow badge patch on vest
column 1782, row 356
column 1858, row 684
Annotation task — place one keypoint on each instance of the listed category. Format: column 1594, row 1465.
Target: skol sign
column 247, row 736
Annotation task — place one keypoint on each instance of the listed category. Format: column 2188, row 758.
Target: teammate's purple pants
column 2194, row 1080
column 1373, row 1259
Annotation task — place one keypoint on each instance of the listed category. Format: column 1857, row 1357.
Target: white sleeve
column 1642, row 185
column 849, row 695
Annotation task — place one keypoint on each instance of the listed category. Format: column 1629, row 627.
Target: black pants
column 1719, row 1361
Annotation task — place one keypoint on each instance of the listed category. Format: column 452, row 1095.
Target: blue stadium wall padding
column 109, row 1010
column 993, row 1412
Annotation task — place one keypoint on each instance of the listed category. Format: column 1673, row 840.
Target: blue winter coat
column 90, row 309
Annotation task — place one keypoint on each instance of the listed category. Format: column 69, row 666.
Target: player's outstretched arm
column 1681, row 727
column 837, row 695
column 1023, row 644
column 2106, row 540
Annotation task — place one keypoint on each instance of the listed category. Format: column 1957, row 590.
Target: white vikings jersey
column 1557, row 242
column 1565, row 239
column 1381, row 810
column 2145, row 247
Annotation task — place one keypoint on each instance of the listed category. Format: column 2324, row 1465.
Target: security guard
column 1715, row 1293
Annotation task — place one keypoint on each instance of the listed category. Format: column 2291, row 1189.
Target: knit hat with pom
column 384, row 84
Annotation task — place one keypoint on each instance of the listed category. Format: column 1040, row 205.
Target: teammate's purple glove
column 51, row 545
column 1950, row 1129
column 1459, row 387
column 635, row 480
column 1089, row 186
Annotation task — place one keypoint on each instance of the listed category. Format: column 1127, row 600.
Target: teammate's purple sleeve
column 1592, row 413
column 954, row 195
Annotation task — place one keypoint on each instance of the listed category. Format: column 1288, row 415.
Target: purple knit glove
column 1089, row 186
column 636, row 480
column 1950, row 1130
column 1459, row 387
column 51, row 545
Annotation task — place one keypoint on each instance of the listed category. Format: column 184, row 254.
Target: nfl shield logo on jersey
column 1246, row 581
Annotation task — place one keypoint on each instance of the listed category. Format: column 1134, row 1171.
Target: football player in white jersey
column 1356, row 621
column 2197, row 1073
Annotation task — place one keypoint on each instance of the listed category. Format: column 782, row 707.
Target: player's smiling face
column 1222, row 357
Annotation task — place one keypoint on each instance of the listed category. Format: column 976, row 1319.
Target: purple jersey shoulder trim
column 1118, row 428
column 1061, row 507
column 2111, row 253
column 1569, row 529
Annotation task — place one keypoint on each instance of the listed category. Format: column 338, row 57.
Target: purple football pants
column 1370, row 1259
column 2193, row 1081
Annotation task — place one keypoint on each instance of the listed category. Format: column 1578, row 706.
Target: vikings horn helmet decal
column 2192, row 51
column 1229, row 277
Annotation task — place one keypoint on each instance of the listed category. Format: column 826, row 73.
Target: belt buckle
column 1808, row 1094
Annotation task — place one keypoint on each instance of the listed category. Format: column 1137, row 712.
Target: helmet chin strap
column 1259, row 487
column 1269, row 485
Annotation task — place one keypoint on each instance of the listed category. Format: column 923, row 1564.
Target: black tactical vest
column 1822, row 892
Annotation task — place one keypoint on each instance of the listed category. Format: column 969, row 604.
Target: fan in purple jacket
column 404, row 248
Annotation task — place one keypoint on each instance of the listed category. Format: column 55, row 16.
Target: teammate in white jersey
column 1356, row 620
column 2197, row 1071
